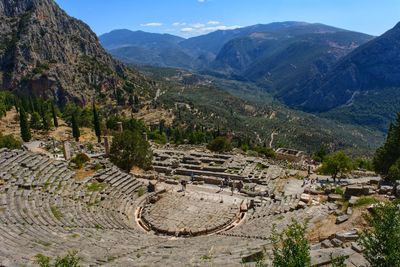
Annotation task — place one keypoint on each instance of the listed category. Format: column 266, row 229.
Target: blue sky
column 195, row 17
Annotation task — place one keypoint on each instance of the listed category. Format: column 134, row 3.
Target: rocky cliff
column 45, row 52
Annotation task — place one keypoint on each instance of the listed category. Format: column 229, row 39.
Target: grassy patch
column 364, row 201
column 75, row 235
column 339, row 191
column 141, row 191
column 56, row 212
column 98, row 226
column 95, row 186
column 205, row 258
column 43, row 243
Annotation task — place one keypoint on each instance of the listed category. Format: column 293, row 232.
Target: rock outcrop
column 45, row 52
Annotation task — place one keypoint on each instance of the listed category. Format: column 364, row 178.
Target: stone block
column 386, row 190
column 356, row 190
column 334, row 197
column 349, row 211
column 326, row 244
column 342, row 219
column 306, row 198
column 357, row 247
column 353, row 200
column 347, row 235
column 336, row 242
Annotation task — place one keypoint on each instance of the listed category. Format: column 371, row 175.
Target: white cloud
column 201, row 1
column 202, row 29
column 198, row 25
column 151, row 24
column 213, row 22
column 176, row 24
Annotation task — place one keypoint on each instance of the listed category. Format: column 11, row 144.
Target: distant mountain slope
column 124, row 38
column 280, row 60
column 197, row 52
column 45, row 52
column 143, row 48
column 154, row 56
column 213, row 42
column 370, row 68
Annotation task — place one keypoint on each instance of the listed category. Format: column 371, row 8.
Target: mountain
column 125, row 38
column 278, row 60
column 210, row 44
column 45, row 52
column 264, row 53
column 143, row 48
column 371, row 68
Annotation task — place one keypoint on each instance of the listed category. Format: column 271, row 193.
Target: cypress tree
column 35, row 123
column 96, row 123
column 45, row 121
column 75, row 128
column 54, row 114
column 23, row 123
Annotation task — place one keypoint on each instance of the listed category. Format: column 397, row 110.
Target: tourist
column 240, row 186
column 183, row 183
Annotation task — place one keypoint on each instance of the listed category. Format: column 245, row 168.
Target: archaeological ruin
column 222, row 215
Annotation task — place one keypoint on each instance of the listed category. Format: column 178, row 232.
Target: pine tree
column 54, row 114
column 23, row 122
column 75, row 128
column 387, row 155
column 96, row 123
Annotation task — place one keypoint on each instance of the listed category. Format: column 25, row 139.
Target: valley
column 198, row 144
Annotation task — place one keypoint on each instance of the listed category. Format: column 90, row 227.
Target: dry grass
column 81, row 174
column 9, row 124
column 153, row 116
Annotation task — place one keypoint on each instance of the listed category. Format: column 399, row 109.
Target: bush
column 80, row 159
column 394, row 172
column 265, row 151
column 291, row 247
column 129, row 149
column 381, row 241
column 9, row 141
column 70, row 260
column 220, row 144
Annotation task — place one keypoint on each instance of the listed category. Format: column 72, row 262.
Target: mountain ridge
column 45, row 52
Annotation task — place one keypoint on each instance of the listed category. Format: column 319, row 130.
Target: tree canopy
column 23, row 123
column 387, row 155
column 382, row 240
column 336, row 164
column 129, row 149
column 220, row 144
column 291, row 247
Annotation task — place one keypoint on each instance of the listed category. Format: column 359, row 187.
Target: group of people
column 308, row 180
column 227, row 182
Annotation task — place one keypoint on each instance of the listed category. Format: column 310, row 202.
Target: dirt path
column 272, row 138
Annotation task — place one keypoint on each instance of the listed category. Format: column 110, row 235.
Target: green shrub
column 364, row 201
column 220, row 144
column 95, row 186
column 381, row 241
column 80, row 159
column 291, row 247
column 9, row 141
